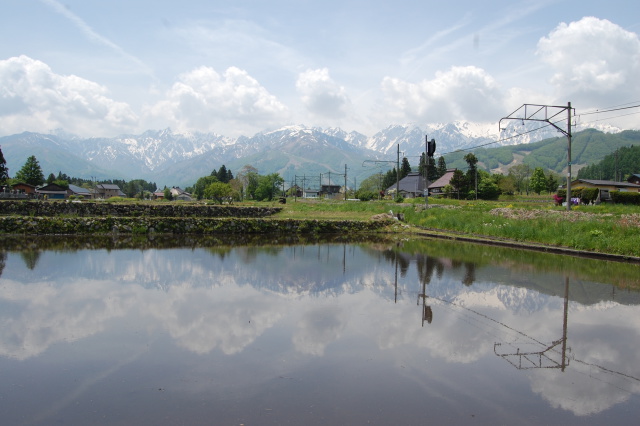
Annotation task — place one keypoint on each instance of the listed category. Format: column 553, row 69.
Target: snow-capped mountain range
column 179, row 159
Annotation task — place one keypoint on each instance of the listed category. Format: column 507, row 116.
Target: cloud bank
column 592, row 63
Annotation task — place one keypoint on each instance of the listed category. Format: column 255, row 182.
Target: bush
column 588, row 195
column 364, row 195
column 620, row 197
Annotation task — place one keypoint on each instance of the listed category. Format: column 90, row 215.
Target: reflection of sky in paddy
column 306, row 334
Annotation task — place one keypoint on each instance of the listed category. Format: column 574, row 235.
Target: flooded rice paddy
column 260, row 332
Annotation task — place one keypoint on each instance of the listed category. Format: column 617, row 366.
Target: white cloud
column 34, row 98
column 232, row 103
column 595, row 63
column 321, row 95
column 462, row 93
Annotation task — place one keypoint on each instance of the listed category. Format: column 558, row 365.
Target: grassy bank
column 607, row 228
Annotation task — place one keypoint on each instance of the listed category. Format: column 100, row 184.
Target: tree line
column 31, row 173
column 470, row 184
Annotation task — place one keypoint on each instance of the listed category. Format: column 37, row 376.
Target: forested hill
column 618, row 165
column 588, row 147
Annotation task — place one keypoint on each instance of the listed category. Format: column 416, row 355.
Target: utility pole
column 426, row 172
column 345, row 182
column 546, row 113
column 398, row 174
column 429, row 150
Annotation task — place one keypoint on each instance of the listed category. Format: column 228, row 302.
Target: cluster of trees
column 477, row 183
column 470, row 184
column 221, row 185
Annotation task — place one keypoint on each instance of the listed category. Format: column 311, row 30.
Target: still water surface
column 326, row 332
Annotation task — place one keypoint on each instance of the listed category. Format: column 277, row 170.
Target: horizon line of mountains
column 179, row 159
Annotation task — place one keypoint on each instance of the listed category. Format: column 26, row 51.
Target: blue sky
column 103, row 68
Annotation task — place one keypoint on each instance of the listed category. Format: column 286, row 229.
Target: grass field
column 603, row 228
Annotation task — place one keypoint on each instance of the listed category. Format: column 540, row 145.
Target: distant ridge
column 179, row 159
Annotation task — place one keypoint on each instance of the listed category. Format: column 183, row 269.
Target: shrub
column 364, row 195
column 621, row 197
column 588, row 195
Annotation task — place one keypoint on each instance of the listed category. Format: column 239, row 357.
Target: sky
column 106, row 68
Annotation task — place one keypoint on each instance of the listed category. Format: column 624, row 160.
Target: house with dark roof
column 52, row 192
column 635, row 178
column 79, row 191
column 411, row 186
column 107, row 190
column 609, row 185
column 437, row 187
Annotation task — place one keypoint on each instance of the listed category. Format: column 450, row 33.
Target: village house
column 107, row 190
column 609, row 185
column 437, row 187
column 52, row 192
column 180, row 194
column 635, row 178
column 411, row 186
column 79, row 191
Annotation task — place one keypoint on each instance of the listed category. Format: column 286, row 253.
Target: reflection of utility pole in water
column 395, row 281
column 427, row 313
column 543, row 358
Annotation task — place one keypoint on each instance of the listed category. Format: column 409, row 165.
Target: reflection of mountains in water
column 330, row 269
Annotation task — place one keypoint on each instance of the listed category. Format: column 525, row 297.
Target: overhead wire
column 611, row 109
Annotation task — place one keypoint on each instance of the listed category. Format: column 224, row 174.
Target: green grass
column 604, row 228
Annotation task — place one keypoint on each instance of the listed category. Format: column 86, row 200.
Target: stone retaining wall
column 172, row 225
column 143, row 209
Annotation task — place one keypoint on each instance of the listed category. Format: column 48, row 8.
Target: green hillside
column 588, row 147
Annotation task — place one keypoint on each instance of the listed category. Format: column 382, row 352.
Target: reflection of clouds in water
column 36, row 316
column 203, row 312
column 447, row 337
column 201, row 320
column 599, row 374
column 317, row 328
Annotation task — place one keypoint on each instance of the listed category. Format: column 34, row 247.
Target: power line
column 547, row 125
column 611, row 109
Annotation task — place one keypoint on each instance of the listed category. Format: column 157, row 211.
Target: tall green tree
column 405, row 168
column 201, row 184
column 167, row 194
column 442, row 166
column 553, row 181
column 4, row 172
column 31, row 172
column 390, row 179
column 520, row 174
column 472, row 172
column 222, row 174
column 248, row 176
column 372, row 183
column 538, row 181
column 268, row 186
column 218, row 191
column 458, row 182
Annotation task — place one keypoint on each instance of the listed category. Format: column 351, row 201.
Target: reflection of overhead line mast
column 562, row 365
